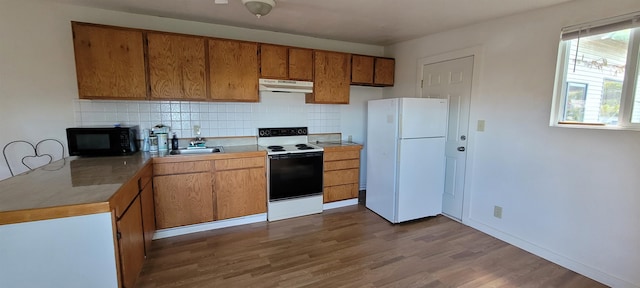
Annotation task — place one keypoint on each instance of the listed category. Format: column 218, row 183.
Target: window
column 597, row 82
column 574, row 102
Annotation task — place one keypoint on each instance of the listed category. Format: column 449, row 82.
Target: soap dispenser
column 174, row 142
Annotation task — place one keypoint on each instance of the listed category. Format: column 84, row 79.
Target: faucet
column 199, row 141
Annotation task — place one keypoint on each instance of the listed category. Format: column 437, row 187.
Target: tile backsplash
column 216, row 119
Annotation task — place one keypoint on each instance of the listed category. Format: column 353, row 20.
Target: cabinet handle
column 118, row 235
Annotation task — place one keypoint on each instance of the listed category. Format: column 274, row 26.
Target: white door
column 451, row 80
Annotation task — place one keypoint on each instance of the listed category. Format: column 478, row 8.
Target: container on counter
column 163, row 141
column 153, row 143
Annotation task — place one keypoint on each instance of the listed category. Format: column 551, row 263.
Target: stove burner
column 275, row 147
column 301, row 145
column 305, row 147
column 278, row 150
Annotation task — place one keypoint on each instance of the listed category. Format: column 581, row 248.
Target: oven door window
column 295, row 175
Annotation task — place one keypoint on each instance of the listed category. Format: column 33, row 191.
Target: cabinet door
column 176, row 66
column 131, row 243
column 148, row 217
column 300, row 64
column 361, row 69
column 273, row 61
column 240, row 192
column 109, row 62
column 183, row 199
column 332, row 71
column 384, row 71
column 233, row 67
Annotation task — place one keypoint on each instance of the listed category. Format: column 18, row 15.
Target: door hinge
column 118, row 235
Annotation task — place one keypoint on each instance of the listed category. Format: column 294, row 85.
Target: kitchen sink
column 197, row 150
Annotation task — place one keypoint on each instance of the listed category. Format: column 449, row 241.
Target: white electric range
column 294, row 172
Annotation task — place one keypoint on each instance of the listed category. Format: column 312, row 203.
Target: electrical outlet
column 497, row 212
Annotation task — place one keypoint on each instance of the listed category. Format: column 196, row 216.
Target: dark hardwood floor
column 349, row 247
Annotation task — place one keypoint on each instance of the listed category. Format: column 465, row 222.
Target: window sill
column 595, row 126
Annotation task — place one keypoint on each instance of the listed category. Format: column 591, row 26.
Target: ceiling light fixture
column 259, row 7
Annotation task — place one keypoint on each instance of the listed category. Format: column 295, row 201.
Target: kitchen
column 513, row 100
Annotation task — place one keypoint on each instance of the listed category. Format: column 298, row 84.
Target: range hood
column 291, row 86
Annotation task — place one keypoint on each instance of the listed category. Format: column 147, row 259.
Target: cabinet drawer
column 340, row 192
column 340, row 177
column 240, row 163
column 341, row 155
column 343, row 164
column 181, row 167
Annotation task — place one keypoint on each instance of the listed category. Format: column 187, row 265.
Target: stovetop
column 292, row 148
column 285, row 140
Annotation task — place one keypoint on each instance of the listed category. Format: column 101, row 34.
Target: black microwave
column 102, row 141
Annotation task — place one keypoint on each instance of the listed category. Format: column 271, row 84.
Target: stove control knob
column 300, row 132
column 304, row 131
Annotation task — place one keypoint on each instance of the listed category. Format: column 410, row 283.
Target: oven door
column 295, row 175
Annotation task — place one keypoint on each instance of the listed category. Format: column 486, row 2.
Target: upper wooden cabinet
column 361, row 69
column 109, row 62
column 274, row 61
column 372, row 71
column 289, row 63
column 332, row 77
column 122, row 63
column 384, row 71
column 177, row 66
column 300, row 64
column 233, row 70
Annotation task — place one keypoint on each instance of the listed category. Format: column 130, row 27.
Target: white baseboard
column 339, row 204
column 177, row 231
column 561, row 260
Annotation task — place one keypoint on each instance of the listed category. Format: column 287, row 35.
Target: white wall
column 69, row 252
column 37, row 71
column 569, row 195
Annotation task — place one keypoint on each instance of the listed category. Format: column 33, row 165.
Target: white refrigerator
column 406, row 157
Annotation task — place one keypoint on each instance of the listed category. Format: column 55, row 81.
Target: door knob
column 461, row 148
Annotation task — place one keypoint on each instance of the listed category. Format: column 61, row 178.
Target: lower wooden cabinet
column 131, row 243
column 191, row 192
column 341, row 173
column 148, row 216
column 132, row 211
column 183, row 199
column 240, row 187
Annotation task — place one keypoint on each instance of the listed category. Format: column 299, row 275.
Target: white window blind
column 602, row 26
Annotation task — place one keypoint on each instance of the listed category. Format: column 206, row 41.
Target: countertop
column 84, row 184
column 70, row 181
column 338, row 144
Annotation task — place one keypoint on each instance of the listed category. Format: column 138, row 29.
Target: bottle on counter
column 145, row 141
column 174, row 142
column 153, row 143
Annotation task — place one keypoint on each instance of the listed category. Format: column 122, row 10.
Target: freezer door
column 423, row 117
column 382, row 133
column 420, row 178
